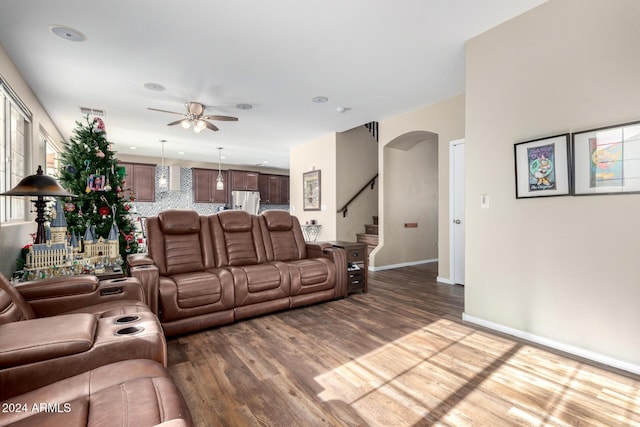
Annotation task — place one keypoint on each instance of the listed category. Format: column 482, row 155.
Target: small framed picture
column 606, row 160
column 311, row 190
column 542, row 167
column 95, row 182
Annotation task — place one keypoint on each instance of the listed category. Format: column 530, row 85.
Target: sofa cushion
column 36, row 340
column 237, row 239
column 179, row 221
column 183, row 253
column 131, row 392
column 282, row 236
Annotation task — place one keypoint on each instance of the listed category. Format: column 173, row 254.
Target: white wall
column 15, row 235
column 356, row 163
column 438, row 123
column 562, row 268
column 319, row 154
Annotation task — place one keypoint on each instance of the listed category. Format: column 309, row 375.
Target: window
column 14, row 136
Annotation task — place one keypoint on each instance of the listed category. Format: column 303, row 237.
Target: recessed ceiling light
column 154, row 86
column 223, row 157
column 132, row 147
column 342, row 109
column 244, row 106
column 67, row 33
column 181, row 152
column 319, row 99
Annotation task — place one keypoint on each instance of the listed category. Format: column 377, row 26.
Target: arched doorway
column 409, row 201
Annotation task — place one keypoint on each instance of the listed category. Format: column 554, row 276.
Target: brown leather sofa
column 65, row 355
column 35, row 351
column 212, row 270
column 127, row 393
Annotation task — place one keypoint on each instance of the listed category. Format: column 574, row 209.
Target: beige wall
column 430, row 129
column 356, row 164
column 562, row 268
column 14, row 236
column 321, row 155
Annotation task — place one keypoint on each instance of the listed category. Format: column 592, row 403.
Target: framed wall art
column 542, row 167
column 311, row 190
column 606, row 160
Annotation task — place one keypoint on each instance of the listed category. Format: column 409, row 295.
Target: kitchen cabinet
column 140, row 179
column 274, row 189
column 243, row 180
column 204, row 186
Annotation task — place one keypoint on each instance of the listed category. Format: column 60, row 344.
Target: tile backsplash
column 182, row 199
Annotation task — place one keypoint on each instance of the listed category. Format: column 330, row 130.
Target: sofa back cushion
column 282, row 235
column 237, row 239
column 13, row 307
column 177, row 242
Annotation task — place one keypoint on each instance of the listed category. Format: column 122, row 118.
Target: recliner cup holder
column 127, row 319
column 129, row 330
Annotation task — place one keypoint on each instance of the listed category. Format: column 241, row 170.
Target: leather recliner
column 36, row 351
column 212, row 270
column 127, row 393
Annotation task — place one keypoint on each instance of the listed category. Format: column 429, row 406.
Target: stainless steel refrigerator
column 246, row 201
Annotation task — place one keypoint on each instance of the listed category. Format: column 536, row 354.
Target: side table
column 357, row 265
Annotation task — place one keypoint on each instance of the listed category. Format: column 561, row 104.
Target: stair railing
column 345, row 208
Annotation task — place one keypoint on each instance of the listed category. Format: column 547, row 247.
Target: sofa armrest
column 339, row 258
column 314, row 249
column 136, row 260
column 149, row 277
column 52, row 297
column 58, row 287
column 37, row 340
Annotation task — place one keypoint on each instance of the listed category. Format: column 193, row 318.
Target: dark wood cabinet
column 140, row 179
column 357, row 265
column 274, row 189
column 243, row 180
column 204, row 186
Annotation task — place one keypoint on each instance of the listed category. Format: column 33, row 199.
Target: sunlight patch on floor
column 408, row 379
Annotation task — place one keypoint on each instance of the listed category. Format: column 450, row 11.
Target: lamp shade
column 38, row 185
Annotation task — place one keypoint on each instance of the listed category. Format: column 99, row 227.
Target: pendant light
column 162, row 182
column 219, row 180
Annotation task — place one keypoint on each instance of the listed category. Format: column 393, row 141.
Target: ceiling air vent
column 92, row 111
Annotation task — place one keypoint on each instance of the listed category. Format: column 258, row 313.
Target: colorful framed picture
column 311, row 190
column 542, row 167
column 606, row 160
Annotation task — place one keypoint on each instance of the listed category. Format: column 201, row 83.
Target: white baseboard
column 577, row 351
column 402, row 264
column 444, row 280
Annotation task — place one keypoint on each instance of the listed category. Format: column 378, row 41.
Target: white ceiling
column 377, row 58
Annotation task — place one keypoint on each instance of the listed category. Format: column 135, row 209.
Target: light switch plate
column 484, row 201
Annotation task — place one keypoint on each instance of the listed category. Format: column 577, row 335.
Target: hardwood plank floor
column 397, row 356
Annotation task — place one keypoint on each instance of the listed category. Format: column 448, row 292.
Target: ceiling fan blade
column 176, row 122
column 165, row 111
column 211, row 126
column 222, row 118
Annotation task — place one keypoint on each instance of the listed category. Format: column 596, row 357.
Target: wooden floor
column 397, row 356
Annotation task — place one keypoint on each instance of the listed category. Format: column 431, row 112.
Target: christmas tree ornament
column 71, row 169
column 104, row 211
column 99, row 124
column 99, row 154
column 69, row 207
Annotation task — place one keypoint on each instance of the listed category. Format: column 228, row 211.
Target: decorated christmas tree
column 89, row 169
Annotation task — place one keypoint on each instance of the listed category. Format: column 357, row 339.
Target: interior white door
column 458, row 213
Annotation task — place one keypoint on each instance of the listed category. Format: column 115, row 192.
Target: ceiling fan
column 194, row 117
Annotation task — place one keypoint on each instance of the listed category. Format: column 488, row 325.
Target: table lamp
column 39, row 185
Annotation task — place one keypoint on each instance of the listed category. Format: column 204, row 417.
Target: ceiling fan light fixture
column 186, row 124
column 197, row 129
column 201, row 124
